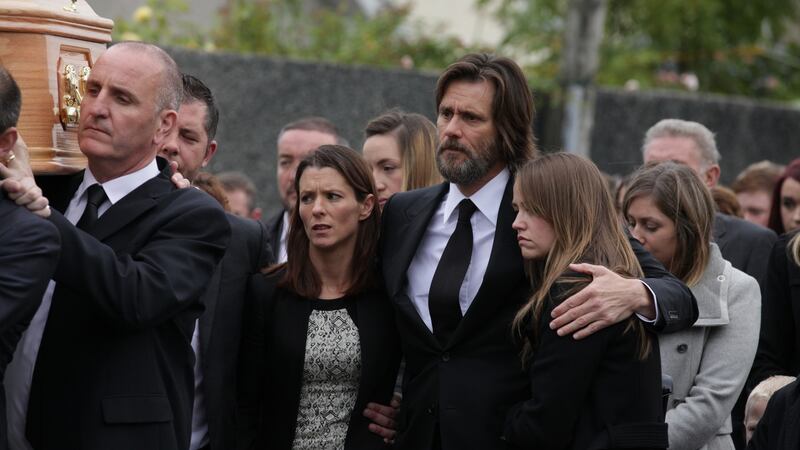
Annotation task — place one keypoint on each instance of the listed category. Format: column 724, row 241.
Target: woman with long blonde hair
column 606, row 388
column 400, row 148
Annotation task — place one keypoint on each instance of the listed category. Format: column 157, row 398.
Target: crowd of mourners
column 448, row 286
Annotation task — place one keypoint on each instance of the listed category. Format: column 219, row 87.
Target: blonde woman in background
column 400, row 148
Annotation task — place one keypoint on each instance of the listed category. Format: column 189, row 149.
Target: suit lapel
column 504, row 271
column 133, row 205
column 418, row 216
column 59, row 189
column 274, row 225
column 718, row 231
column 411, row 232
column 209, row 300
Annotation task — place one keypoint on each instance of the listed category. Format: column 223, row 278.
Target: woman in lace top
column 319, row 340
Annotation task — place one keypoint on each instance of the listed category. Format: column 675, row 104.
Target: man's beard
column 469, row 170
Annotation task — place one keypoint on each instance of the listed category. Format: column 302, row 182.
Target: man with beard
column 454, row 270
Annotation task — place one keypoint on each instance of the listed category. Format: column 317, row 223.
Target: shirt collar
column 487, row 199
column 119, row 187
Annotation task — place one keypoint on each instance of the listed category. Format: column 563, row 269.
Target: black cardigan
column 272, row 358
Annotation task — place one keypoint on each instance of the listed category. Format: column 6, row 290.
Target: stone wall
column 258, row 95
column 746, row 130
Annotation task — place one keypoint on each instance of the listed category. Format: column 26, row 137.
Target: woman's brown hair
column 300, row 276
column 417, row 139
column 569, row 193
column 679, row 194
column 212, row 186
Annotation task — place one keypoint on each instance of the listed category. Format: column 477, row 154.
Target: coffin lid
column 51, row 17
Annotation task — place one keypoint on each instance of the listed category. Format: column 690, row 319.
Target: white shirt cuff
column 655, row 303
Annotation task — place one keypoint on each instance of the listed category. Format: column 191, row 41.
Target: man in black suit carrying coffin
column 107, row 361
column 453, row 268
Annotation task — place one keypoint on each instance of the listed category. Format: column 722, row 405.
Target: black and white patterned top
column 331, row 375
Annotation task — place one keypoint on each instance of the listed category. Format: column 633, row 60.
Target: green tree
column 289, row 28
column 732, row 46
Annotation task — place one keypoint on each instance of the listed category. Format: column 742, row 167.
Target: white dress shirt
column 284, row 232
column 442, row 225
column 19, row 373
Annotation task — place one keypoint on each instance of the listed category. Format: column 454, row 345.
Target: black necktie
column 95, row 196
column 443, row 301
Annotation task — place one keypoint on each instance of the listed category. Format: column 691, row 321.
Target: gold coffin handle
column 72, row 7
column 73, row 89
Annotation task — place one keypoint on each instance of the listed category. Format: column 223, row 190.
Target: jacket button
column 682, row 348
column 445, row 356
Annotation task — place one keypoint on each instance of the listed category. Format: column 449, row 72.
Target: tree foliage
column 289, row 28
column 731, row 46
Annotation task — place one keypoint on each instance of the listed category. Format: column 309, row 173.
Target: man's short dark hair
column 512, row 106
column 10, row 100
column 196, row 90
column 315, row 123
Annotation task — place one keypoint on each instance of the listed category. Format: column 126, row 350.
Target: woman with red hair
column 784, row 215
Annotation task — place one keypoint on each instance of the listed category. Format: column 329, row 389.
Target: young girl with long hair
column 603, row 391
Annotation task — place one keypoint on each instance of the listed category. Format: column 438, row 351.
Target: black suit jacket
column 745, row 245
column 29, row 248
column 468, row 385
column 272, row 360
column 274, row 225
column 779, row 343
column 115, row 364
column 221, row 326
column 777, row 429
column 592, row 393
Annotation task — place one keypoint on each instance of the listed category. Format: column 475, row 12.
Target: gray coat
column 709, row 362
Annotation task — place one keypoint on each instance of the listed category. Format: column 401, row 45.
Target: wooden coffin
column 49, row 46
